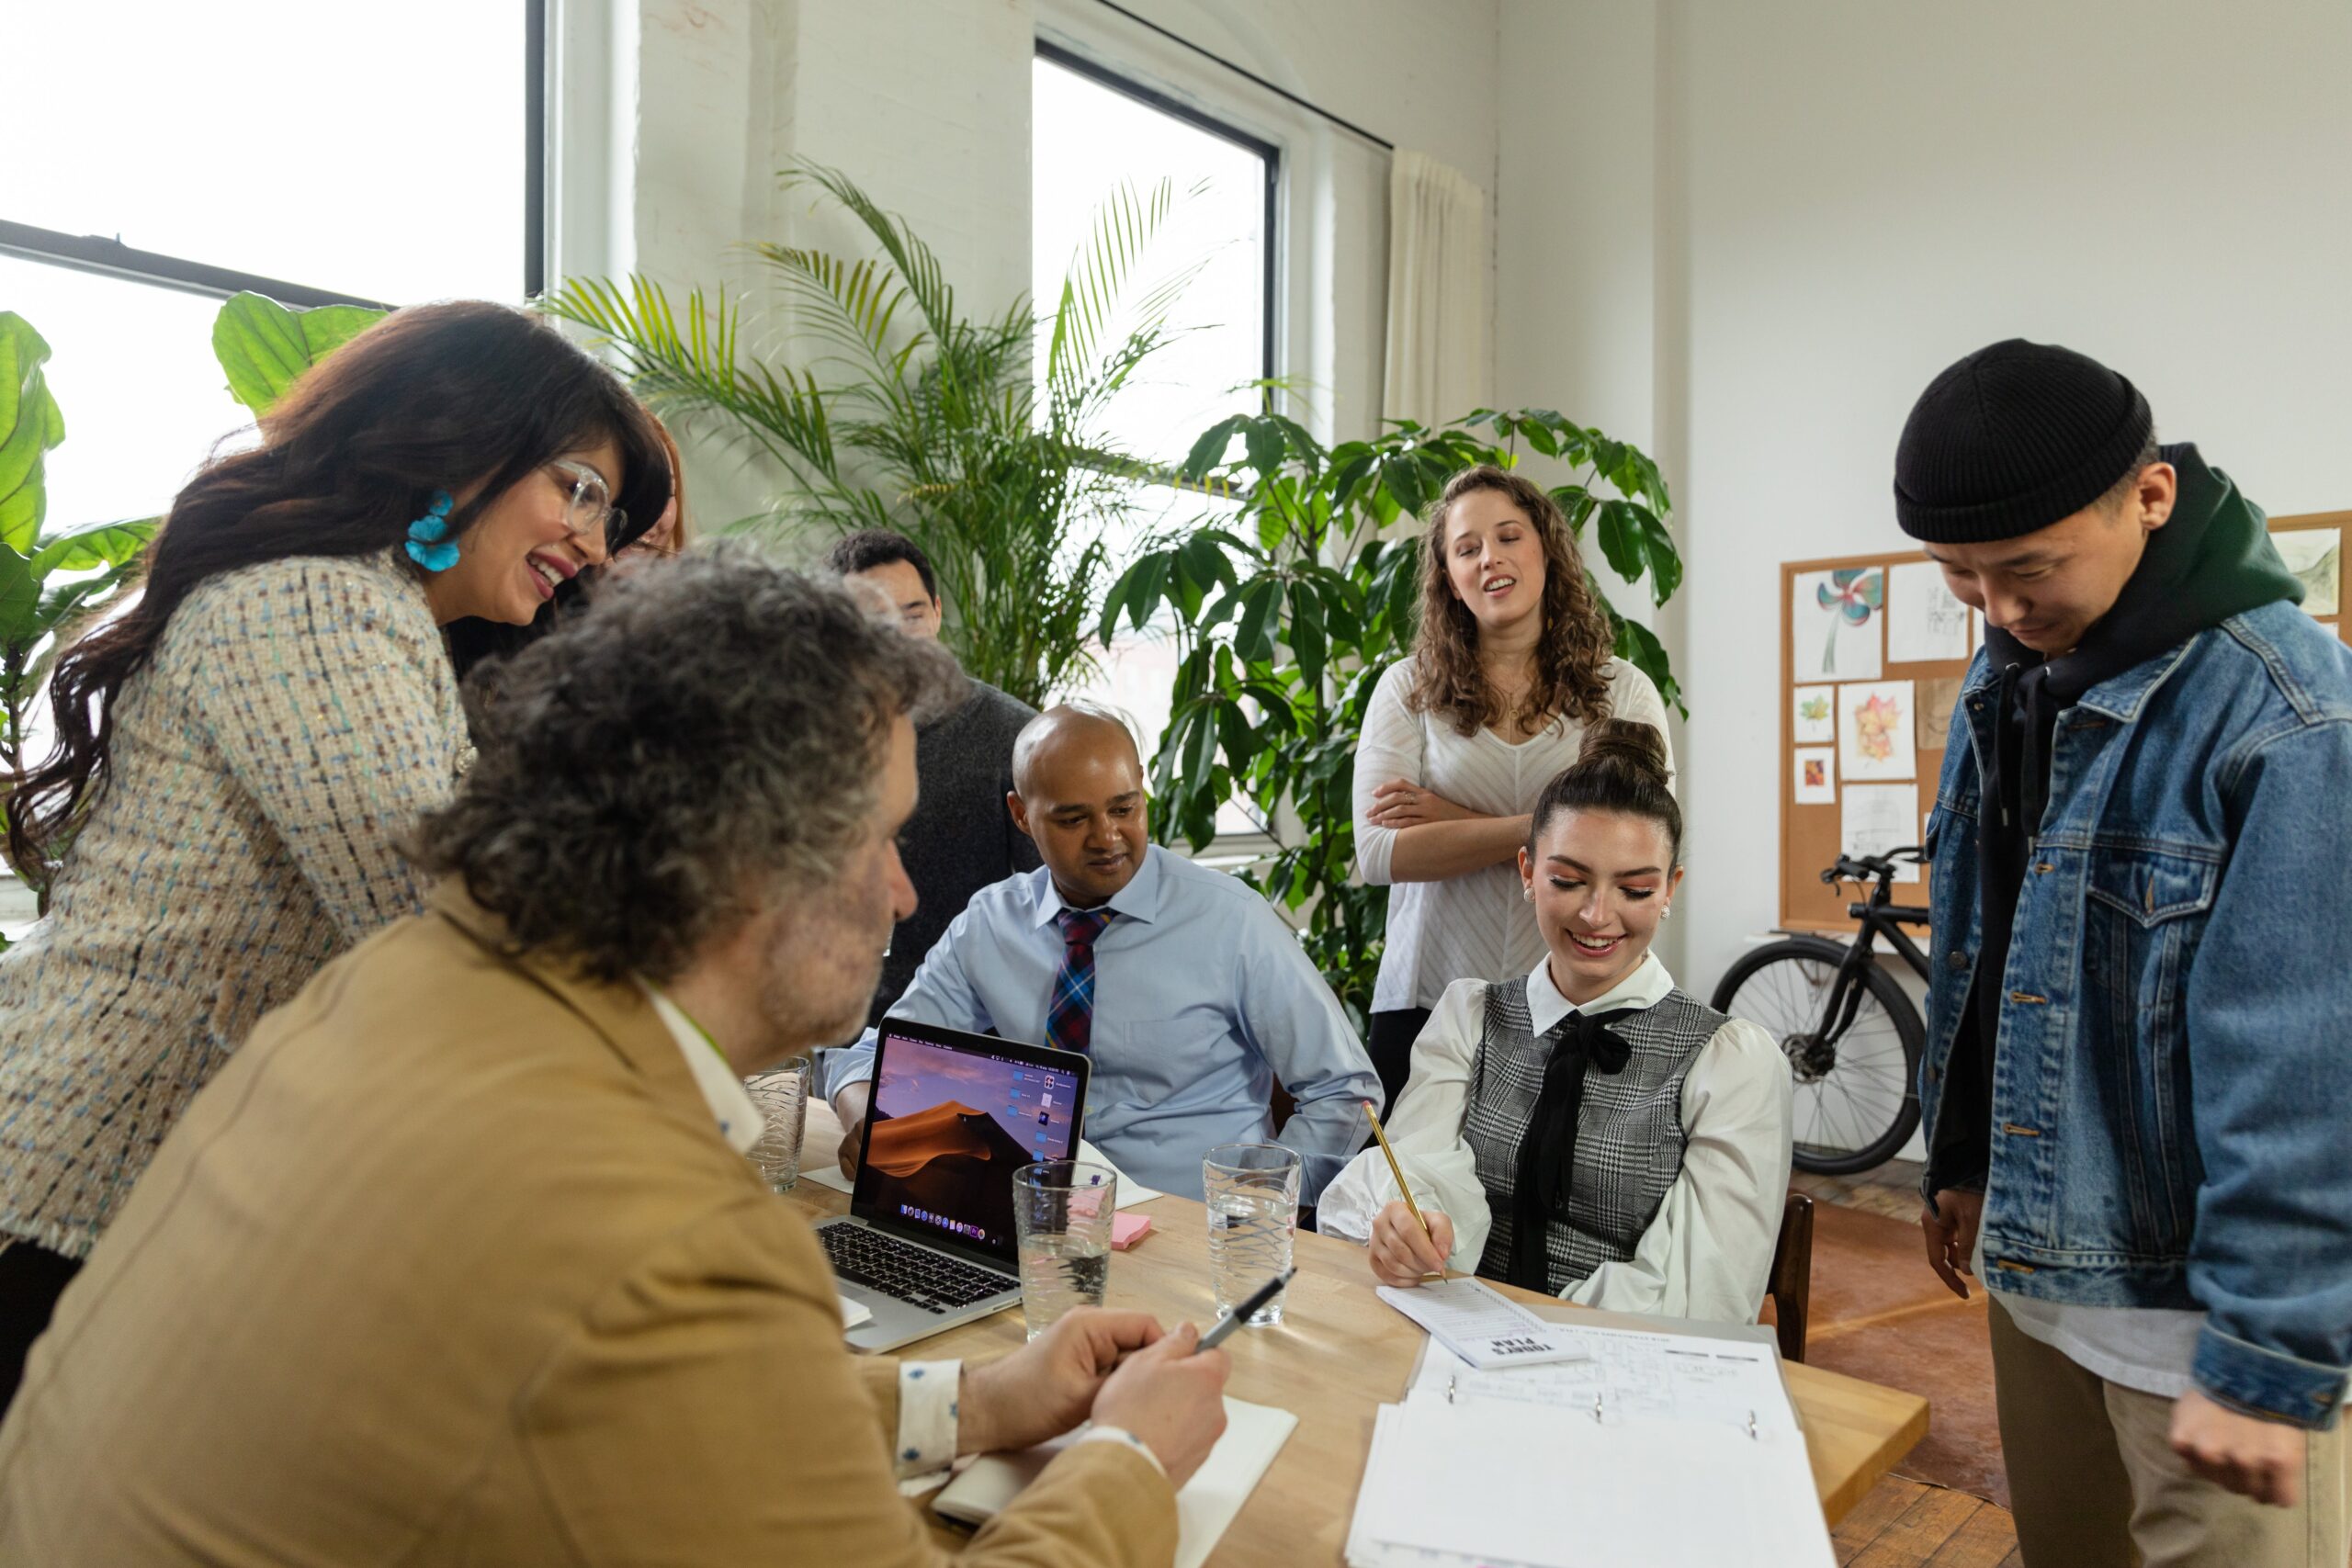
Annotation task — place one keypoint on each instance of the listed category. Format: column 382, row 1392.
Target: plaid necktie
column 1069, row 1018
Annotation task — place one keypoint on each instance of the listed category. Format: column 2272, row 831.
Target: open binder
column 1665, row 1447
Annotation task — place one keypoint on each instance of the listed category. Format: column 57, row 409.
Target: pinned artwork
column 1939, row 695
column 1816, row 775
column 2316, row 557
column 1874, row 722
column 1924, row 622
column 1816, row 716
column 1834, row 623
column 1875, row 819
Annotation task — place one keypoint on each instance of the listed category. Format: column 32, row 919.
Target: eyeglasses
column 591, row 502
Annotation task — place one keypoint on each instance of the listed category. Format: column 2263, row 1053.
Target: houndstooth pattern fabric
column 1629, row 1130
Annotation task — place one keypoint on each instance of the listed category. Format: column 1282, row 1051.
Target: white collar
column 738, row 1118
column 1646, row 988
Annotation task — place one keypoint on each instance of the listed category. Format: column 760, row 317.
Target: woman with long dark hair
column 1586, row 1128
column 238, row 751
column 1511, row 664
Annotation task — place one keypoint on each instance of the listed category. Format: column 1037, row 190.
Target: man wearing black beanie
column 2135, row 1086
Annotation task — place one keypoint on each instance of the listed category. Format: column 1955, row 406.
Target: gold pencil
column 1398, row 1172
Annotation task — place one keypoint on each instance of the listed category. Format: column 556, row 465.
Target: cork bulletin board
column 1873, row 650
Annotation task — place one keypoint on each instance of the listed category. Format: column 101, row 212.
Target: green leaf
column 1151, row 586
column 1306, row 640
column 1638, row 646
column 20, row 597
column 1621, row 539
column 1400, row 476
column 1266, row 445
column 30, row 423
column 1253, row 641
column 104, row 544
column 266, row 346
column 1208, row 451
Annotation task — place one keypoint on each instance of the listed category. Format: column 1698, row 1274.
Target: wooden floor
column 1904, row 1524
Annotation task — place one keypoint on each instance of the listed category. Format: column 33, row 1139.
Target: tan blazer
column 450, row 1265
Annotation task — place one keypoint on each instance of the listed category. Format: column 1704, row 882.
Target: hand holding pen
column 1407, row 1251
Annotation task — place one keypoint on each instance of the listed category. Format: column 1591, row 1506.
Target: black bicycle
column 1852, row 1034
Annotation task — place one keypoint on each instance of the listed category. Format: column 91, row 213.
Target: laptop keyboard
column 916, row 1275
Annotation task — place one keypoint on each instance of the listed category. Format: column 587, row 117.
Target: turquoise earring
column 426, row 535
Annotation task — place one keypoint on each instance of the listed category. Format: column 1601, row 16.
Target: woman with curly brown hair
column 1512, row 665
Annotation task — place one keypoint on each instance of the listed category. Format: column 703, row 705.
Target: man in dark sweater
column 961, row 837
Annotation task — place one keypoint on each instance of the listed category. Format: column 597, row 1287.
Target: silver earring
column 1667, row 913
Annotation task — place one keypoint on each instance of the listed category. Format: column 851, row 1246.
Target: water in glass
column 782, row 1099
column 1062, row 1210
column 1252, row 1193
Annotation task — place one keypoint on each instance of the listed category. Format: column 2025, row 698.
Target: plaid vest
column 1629, row 1130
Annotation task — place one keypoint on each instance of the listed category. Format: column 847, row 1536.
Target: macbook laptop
column 928, row 1242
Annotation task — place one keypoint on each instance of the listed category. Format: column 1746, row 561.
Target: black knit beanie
column 2013, row 438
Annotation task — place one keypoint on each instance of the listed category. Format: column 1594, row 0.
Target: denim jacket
column 2172, row 1091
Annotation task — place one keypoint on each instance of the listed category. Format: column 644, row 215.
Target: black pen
column 1240, row 1314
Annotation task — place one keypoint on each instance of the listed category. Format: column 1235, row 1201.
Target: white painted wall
column 926, row 104
column 1850, row 195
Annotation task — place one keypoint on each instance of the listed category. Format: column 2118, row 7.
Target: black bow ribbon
column 1547, row 1154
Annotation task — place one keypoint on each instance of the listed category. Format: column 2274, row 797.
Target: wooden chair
column 1790, row 1285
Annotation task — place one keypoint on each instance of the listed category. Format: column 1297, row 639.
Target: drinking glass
column 1252, row 1193
column 1061, row 1219
column 781, row 1096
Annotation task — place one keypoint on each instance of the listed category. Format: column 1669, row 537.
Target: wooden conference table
column 1340, row 1353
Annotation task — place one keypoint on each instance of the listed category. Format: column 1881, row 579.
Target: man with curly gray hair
column 460, row 1256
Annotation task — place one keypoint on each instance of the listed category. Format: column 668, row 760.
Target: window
column 1091, row 132
column 312, row 153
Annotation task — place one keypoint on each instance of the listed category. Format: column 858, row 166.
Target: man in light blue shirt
column 1192, row 996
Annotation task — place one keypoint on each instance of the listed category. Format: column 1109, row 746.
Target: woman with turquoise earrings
column 239, row 753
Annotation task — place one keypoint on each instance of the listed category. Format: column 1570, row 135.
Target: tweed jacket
column 293, row 721
column 450, row 1265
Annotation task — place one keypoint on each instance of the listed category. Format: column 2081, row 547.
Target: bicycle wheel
column 1857, row 1100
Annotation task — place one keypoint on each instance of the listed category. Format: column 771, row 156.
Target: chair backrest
column 1790, row 1285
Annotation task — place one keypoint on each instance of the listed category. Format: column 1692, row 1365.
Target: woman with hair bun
column 1588, row 1130
column 239, row 751
column 1511, row 665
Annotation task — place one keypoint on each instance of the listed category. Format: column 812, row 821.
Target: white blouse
column 1706, row 1254
column 1475, row 926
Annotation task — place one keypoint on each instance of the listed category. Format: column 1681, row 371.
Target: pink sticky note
column 1128, row 1229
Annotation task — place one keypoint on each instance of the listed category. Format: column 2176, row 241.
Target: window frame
column 1269, row 155
column 112, row 258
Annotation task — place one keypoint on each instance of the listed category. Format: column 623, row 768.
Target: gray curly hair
column 706, row 738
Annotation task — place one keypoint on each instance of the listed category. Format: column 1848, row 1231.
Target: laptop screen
column 948, row 1127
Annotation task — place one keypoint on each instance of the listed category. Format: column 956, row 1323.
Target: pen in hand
column 1398, row 1172
column 1242, row 1313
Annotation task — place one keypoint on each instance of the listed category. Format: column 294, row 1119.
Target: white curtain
column 1438, row 268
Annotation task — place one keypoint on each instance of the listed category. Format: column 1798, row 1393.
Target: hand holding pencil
column 1409, row 1245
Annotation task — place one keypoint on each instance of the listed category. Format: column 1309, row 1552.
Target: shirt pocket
column 2144, row 914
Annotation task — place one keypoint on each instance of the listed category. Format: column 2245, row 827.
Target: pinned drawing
column 1938, row 696
column 1816, row 775
column 1874, row 739
column 2316, row 557
column 1875, row 819
column 1835, row 624
column 1816, row 715
column 1924, row 621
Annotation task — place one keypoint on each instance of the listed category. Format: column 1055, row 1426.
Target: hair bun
column 1627, row 743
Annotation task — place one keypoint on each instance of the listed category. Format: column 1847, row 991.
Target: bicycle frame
column 1878, row 917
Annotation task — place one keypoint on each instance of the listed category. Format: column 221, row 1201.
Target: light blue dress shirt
column 1203, row 1000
